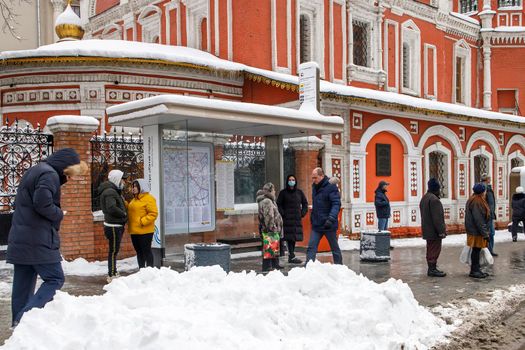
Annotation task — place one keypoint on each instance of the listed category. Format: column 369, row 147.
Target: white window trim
column 170, row 6
column 315, row 10
column 427, row 48
column 275, row 56
column 483, row 152
column 372, row 74
column 129, row 23
column 515, row 154
column 196, row 11
column 114, row 35
column 150, row 23
column 332, row 43
column 411, row 35
column 462, row 49
column 438, row 147
column 395, row 24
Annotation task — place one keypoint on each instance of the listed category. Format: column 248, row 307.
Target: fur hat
column 433, row 185
column 79, row 169
column 479, row 188
column 519, row 189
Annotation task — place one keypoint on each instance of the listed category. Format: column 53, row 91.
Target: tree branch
column 9, row 16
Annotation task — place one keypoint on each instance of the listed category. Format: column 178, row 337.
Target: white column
column 487, row 83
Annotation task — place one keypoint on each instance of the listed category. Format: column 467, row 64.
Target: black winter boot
column 434, row 272
column 475, row 271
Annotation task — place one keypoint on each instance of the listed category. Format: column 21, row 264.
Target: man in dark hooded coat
column 34, row 244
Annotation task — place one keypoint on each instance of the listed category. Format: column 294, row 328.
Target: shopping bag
column 485, row 258
column 464, row 257
column 271, row 244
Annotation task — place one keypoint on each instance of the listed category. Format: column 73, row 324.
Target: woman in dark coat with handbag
column 293, row 206
column 477, row 219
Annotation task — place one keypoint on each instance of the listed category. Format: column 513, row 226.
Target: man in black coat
column 326, row 202
column 491, row 200
column 382, row 204
column 518, row 212
column 34, row 244
column 293, row 206
column 433, row 226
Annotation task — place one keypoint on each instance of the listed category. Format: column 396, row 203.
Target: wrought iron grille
column 466, row 6
column 437, row 168
column 406, row 66
column 480, row 167
column 115, row 151
column 248, row 153
column 515, row 162
column 305, row 42
column 21, row 147
column 509, row 3
column 360, row 43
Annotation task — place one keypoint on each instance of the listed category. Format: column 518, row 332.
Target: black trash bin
column 207, row 254
column 375, row 245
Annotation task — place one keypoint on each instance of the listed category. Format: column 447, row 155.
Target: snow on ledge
column 73, row 119
column 465, row 18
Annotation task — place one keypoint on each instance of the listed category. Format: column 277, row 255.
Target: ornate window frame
column 463, row 51
column 481, row 151
column 411, row 36
column 149, row 19
column 196, row 11
column 438, row 147
column 314, row 9
column 109, row 34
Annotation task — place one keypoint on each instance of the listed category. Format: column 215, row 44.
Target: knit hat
column 433, row 185
column 479, row 188
column 519, row 189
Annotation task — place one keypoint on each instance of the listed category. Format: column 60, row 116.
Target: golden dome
column 68, row 25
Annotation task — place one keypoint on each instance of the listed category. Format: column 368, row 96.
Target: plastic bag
column 485, row 258
column 464, row 257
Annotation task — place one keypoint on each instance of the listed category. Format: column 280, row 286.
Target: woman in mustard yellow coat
column 142, row 213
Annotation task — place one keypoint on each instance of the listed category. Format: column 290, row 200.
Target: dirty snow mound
column 319, row 307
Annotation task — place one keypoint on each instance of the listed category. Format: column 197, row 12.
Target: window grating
column 361, row 50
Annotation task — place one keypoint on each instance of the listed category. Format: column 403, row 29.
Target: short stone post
column 76, row 231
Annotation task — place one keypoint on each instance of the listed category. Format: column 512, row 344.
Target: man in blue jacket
column 34, row 244
column 382, row 205
column 326, row 202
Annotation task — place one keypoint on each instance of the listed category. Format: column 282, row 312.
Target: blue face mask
column 291, row 183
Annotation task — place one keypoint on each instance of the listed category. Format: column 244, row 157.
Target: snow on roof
column 68, row 17
column 508, row 29
column 125, row 49
column 465, row 17
column 220, row 105
column 73, row 119
column 392, row 97
column 138, row 50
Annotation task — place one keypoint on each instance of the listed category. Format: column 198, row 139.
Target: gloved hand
column 442, row 235
column 328, row 224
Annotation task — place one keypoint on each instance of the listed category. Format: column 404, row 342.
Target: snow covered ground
column 322, row 306
column 452, row 240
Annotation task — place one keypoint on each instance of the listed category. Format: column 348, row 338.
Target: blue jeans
column 24, row 281
column 313, row 243
column 491, row 236
column 382, row 224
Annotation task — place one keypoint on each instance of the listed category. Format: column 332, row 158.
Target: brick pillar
column 76, row 231
column 306, row 152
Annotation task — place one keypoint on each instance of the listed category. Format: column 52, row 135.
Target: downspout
column 38, row 28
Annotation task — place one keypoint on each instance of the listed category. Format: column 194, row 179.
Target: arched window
column 516, row 162
column 481, row 166
column 305, row 40
column 438, row 169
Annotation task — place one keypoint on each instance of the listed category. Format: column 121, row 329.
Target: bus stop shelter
column 181, row 135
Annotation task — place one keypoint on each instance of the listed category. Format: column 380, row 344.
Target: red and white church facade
column 439, row 85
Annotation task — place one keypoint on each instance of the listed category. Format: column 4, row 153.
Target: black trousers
column 515, row 226
column 114, row 236
column 270, row 264
column 291, row 249
column 474, row 256
column 142, row 245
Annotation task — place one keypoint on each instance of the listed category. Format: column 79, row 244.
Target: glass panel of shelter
column 210, row 185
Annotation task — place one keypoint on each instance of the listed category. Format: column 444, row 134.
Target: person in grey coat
column 34, row 243
column 433, row 226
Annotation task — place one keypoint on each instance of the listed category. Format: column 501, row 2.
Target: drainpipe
column 38, row 29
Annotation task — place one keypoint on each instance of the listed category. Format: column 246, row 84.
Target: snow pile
column 5, row 290
column 82, row 267
column 451, row 240
column 319, row 307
